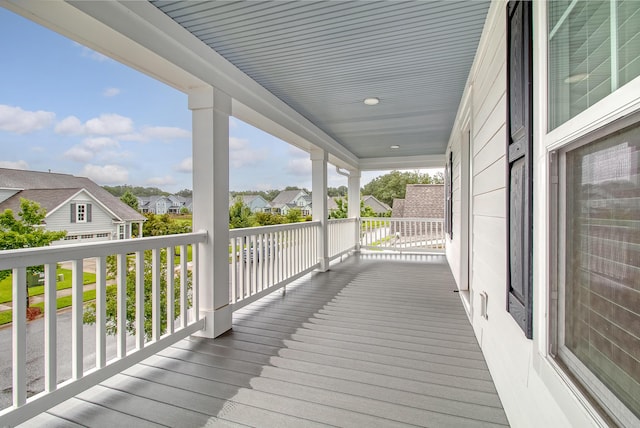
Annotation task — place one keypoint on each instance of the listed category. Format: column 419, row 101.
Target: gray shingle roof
column 285, row 197
column 31, row 180
column 48, row 199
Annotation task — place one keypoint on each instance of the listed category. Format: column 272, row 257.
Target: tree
column 118, row 191
column 294, row 215
column 337, row 191
column 343, row 209
column 129, row 199
column 394, row 184
column 185, row 193
column 26, row 231
column 158, row 225
column 89, row 316
column 267, row 219
column 239, row 215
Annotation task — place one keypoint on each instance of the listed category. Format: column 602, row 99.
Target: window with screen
column 594, row 49
column 600, row 270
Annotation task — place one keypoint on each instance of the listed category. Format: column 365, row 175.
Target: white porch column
column 140, row 224
column 353, row 186
column 211, row 109
column 319, row 201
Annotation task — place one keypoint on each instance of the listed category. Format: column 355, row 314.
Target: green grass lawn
column 6, row 289
column 63, row 302
column 176, row 259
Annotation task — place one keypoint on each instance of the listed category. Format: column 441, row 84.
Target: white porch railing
column 176, row 329
column 402, row 234
column 263, row 259
column 342, row 236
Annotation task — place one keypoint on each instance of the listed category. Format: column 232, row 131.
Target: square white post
column 319, row 200
column 211, row 109
column 353, row 186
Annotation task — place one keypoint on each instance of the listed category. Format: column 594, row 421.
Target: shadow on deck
column 379, row 340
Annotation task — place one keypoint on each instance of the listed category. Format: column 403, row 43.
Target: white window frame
column 81, row 213
column 121, row 231
column 547, row 144
column 557, row 322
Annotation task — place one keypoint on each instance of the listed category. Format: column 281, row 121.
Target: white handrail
column 264, row 259
column 403, row 234
column 342, row 236
column 54, row 391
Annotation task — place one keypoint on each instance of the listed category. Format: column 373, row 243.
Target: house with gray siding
column 75, row 204
column 255, row 202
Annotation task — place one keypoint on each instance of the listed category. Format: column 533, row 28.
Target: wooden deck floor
column 379, row 340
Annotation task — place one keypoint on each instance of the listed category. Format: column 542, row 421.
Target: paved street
column 35, row 354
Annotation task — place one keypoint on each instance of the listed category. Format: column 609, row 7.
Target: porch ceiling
column 324, row 58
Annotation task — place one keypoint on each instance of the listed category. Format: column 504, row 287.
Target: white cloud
column 106, row 174
column 100, row 143
column 15, row 119
column 111, row 156
column 295, row 152
column 237, row 143
column 299, row 167
column 241, row 154
column 21, row 164
column 186, row 165
column 161, row 181
column 165, row 133
column 69, row 126
column 111, row 92
column 91, row 54
column 79, row 153
column 109, row 124
column 233, row 122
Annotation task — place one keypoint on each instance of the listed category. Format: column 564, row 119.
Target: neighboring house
column 172, row 204
column 255, row 202
column 178, row 203
column 154, row 204
column 75, row 204
column 420, row 201
column 289, row 199
column 378, row 207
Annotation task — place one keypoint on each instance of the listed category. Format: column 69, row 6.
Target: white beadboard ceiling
column 323, row 58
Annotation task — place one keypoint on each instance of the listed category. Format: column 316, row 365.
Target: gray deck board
column 378, row 340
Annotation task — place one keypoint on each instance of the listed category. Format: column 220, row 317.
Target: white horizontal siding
column 510, row 356
column 7, row 193
column 101, row 220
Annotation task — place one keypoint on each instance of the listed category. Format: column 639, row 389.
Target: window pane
column 602, row 298
column 594, row 48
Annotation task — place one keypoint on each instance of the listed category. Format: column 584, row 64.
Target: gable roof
column 286, row 196
column 49, row 199
column 376, row 205
column 36, row 180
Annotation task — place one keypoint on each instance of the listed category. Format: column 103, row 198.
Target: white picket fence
column 56, row 390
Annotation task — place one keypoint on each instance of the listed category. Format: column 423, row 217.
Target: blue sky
column 68, row 109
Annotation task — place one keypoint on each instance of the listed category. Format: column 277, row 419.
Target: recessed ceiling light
column 372, row 101
column 395, row 146
column 575, row 78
